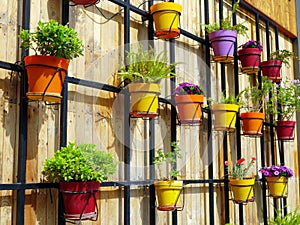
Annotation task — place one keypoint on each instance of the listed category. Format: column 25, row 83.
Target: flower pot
column 166, row 17
column 271, row 69
column 189, row 108
column 80, row 199
column 222, row 42
column 46, row 76
column 84, row 2
column 250, row 60
column 225, row 116
column 242, row 190
column 252, row 123
column 277, row 186
column 168, row 194
column 144, row 99
column 285, row 130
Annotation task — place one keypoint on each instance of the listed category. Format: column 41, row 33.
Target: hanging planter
column 80, row 199
column 222, row 42
column 250, row 60
column 144, row 99
column 277, row 186
column 225, row 116
column 85, row 2
column 242, row 190
column 189, row 108
column 271, row 69
column 168, row 195
column 46, row 76
column 166, row 17
column 252, row 123
column 285, row 130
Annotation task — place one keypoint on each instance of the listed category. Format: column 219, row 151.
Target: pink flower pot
column 250, row 59
column 271, row 69
column 285, row 130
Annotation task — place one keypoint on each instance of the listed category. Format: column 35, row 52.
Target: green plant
column 54, row 39
column 226, row 23
column 282, row 55
column 291, row 218
column 230, row 99
column 285, row 99
column 146, row 66
column 253, row 97
column 79, row 163
column 239, row 170
column 169, row 158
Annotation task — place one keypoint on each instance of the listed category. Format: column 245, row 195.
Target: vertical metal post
column 152, row 171
column 21, row 178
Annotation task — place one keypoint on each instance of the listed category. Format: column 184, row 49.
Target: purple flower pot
column 222, row 42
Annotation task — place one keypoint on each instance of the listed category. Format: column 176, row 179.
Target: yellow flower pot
column 166, row 19
column 242, row 190
column 277, row 186
column 144, row 99
column 225, row 116
column 168, row 194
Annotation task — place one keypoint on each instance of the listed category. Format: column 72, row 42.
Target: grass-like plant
column 291, row 218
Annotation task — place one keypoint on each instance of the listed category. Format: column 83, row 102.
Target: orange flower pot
column 252, row 123
column 189, row 108
column 46, row 76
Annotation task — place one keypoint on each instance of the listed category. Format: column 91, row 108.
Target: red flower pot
column 285, row 130
column 271, row 69
column 84, row 2
column 250, row 59
column 79, row 199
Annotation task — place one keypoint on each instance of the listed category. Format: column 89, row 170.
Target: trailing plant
column 285, row 99
column 187, row 88
column 226, row 23
column 291, row 218
column 53, row 39
column 276, row 171
column 169, row 158
column 79, row 163
column 239, row 170
column 146, row 66
column 282, row 55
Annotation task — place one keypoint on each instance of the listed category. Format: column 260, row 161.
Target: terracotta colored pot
column 79, row 199
column 84, row 2
column 242, row 190
column 189, row 108
column 225, row 116
column 144, row 99
column 46, row 76
column 168, row 194
column 271, row 69
column 285, row 130
column 166, row 17
column 252, row 123
column 222, row 42
column 277, row 186
column 250, row 60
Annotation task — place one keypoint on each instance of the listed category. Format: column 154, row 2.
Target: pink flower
column 226, row 163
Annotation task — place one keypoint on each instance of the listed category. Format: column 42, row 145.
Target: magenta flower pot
column 271, row 69
column 222, row 42
column 285, row 130
column 250, row 60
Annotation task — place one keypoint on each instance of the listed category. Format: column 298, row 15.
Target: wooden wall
column 97, row 117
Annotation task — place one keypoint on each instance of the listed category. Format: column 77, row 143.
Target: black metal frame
column 21, row 184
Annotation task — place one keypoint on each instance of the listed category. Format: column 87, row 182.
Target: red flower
column 226, row 163
column 240, row 161
column 253, row 158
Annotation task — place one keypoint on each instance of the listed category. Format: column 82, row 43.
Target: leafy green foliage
column 226, row 23
column 253, row 97
column 169, row 158
column 292, row 218
column 230, row 99
column 282, row 55
column 54, row 39
column 145, row 66
column 79, row 163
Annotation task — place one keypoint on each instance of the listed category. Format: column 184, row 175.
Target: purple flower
column 276, row 171
column 252, row 44
column 188, row 89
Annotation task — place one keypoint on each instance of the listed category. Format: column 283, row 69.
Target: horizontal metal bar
column 192, row 36
column 10, row 66
column 19, row 186
column 131, row 7
column 93, row 84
